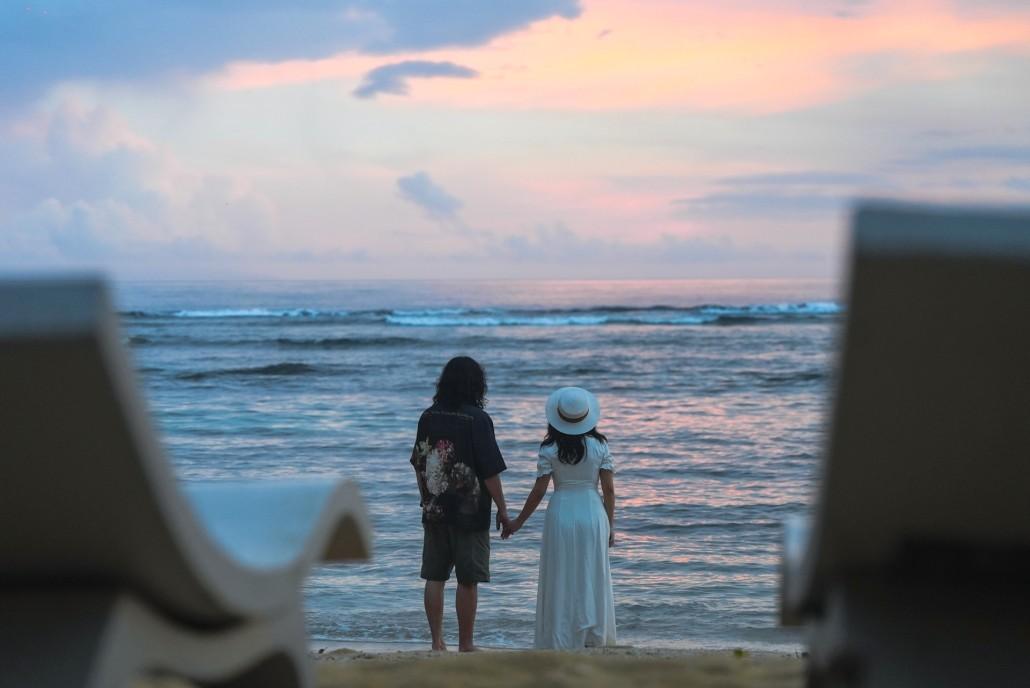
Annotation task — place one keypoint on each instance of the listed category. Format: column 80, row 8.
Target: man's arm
column 493, row 486
column 488, row 461
column 423, row 490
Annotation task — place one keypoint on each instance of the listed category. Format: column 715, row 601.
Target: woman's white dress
column 574, row 603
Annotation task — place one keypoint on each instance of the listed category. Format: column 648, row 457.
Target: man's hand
column 510, row 529
column 503, row 522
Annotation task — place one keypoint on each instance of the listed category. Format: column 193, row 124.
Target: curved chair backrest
column 86, row 495
column 929, row 443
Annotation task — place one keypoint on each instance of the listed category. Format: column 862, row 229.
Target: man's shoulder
column 434, row 412
column 477, row 413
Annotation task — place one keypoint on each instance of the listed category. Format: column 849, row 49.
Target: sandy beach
column 603, row 668
column 594, row 668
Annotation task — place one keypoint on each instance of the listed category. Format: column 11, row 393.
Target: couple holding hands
column 458, row 465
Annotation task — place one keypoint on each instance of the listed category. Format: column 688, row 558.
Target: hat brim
column 588, row 423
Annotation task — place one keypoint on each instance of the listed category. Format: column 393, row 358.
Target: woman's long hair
column 463, row 381
column 571, row 448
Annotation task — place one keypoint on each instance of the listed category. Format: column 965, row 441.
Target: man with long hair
column 458, row 466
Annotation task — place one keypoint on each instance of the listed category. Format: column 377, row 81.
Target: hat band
column 572, row 419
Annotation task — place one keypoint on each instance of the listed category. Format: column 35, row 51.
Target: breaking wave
column 500, row 317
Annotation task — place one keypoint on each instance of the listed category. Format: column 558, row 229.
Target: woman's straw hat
column 573, row 410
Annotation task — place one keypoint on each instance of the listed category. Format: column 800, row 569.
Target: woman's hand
column 611, row 538
column 511, row 528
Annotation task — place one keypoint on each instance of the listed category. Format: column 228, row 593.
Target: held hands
column 510, row 528
column 507, row 526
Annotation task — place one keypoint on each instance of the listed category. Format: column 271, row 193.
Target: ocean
column 713, row 397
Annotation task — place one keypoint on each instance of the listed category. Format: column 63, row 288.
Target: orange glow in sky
column 623, row 55
column 653, row 138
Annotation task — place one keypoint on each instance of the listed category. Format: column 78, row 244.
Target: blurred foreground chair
column 915, row 568
column 110, row 570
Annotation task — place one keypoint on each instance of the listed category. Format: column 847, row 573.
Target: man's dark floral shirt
column 455, row 451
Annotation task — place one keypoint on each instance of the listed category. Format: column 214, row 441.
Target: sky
column 600, row 139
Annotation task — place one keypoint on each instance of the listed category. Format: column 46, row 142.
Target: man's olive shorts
column 447, row 547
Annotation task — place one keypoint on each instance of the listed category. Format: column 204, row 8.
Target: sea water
column 713, row 396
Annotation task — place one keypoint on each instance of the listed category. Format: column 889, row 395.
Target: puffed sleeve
column 606, row 458
column 543, row 462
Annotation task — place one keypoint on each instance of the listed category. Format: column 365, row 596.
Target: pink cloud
column 669, row 54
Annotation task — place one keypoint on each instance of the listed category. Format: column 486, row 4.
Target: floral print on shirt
column 444, row 479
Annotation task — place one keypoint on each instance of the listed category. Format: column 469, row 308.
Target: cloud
column 989, row 5
column 420, row 189
column 559, row 244
column 121, row 39
column 799, row 178
column 393, row 78
column 849, row 8
column 1021, row 184
column 798, row 54
column 82, row 189
column 1011, row 154
column 744, row 204
column 793, row 194
column 557, row 250
column 427, row 24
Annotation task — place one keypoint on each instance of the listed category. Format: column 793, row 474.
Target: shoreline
column 378, row 651
column 593, row 668
column 318, row 646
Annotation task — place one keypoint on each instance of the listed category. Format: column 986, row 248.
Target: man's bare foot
column 439, row 647
column 471, row 648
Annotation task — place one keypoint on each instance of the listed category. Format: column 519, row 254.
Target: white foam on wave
column 253, row 313
column 496, row 317
column 702, row 315
column 493, row 321
column 438, row 312
column 807, row 308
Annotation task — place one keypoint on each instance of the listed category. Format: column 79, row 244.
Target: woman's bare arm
column 608, row 496
column 532, row 502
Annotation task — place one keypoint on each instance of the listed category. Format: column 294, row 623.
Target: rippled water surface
column 712, row 395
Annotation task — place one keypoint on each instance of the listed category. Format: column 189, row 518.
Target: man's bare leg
column 465, row 601
column 434, row 612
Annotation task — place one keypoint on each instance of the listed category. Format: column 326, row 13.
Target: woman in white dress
column 574, row 603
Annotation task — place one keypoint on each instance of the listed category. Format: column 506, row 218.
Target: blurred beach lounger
column 109, row 569
column 915, row 567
